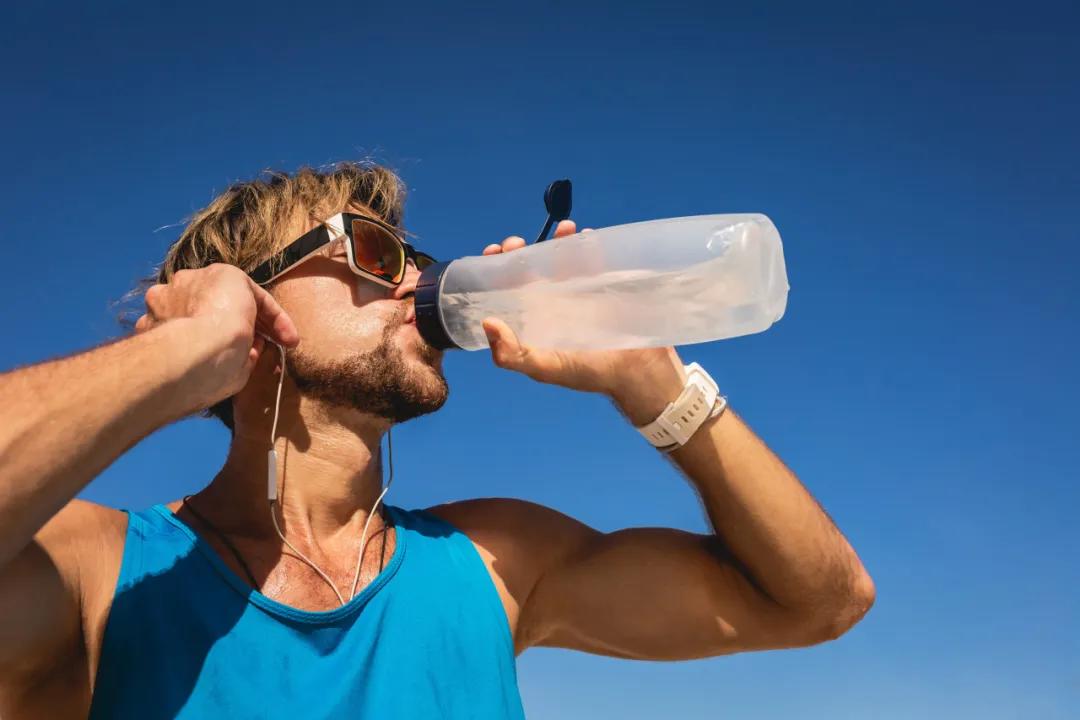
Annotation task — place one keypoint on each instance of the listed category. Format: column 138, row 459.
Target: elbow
column 858, row 601
column 843, row 612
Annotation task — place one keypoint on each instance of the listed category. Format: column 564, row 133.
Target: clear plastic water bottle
column 664, row 282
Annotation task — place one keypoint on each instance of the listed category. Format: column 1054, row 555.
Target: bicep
column 652, row 593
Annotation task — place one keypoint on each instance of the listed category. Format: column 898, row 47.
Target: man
column 225, row 604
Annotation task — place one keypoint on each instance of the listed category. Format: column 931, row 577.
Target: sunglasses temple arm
column 547, row 228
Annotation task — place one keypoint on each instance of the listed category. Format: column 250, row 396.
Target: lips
column 410, row 315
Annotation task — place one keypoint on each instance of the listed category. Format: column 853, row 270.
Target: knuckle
column 215, row 269
column 230, row 273
column 153, row 293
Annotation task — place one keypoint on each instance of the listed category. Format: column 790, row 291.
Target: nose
column 408, row 283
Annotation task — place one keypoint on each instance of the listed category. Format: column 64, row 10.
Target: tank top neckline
column 315, row 617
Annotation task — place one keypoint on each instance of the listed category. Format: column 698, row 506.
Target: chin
column 399, row 378
column 417, row 348
column 427, row 390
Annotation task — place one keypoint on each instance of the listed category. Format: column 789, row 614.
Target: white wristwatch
column 699, row 401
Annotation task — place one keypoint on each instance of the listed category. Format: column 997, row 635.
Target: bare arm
column 769, row 522
column 66, row 420
column 775, row 573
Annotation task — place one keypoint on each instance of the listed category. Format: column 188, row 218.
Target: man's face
column 357, row 348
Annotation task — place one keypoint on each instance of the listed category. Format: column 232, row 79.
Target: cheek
column 331, row 324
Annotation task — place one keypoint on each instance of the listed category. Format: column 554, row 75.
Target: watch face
column 695, row 371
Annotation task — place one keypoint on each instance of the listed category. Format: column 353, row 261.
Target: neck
column 329, row 473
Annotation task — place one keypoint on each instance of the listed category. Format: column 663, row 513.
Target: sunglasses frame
column 310, row 243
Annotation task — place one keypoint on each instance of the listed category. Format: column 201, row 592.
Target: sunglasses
column 375, row 250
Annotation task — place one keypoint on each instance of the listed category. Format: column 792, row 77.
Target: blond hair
column 246, row 224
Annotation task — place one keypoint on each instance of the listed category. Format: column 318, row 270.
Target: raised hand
column 610, row 372
column 231, row 317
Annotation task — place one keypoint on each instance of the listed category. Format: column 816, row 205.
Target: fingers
column 511, row 243
column 565, row 227
column 272, row 319
column 154, row 300
column 508, row 353
column 257, row 349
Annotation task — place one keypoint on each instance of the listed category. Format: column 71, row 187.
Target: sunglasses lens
column 378, row 251
column 422, row 261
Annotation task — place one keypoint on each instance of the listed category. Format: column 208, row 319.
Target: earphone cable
column 273, row 502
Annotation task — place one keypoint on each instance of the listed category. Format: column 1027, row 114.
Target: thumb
column 506, row 351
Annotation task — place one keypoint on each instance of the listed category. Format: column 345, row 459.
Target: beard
column 381, row 381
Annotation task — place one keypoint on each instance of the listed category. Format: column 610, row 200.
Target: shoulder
column 518, row 541
column 58, row 589
column 86, row 540
column 80, row 519
column 86, row 536
column 509, row 522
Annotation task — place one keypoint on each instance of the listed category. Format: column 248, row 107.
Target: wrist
column 642, row 395
column 190, row 356
column 673, row 426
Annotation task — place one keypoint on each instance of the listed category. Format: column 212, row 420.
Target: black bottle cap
column 427, row 308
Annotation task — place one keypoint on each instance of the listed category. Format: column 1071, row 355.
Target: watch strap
column 699, row 401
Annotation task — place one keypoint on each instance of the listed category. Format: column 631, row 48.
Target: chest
column 288, row 577
column 427, row 636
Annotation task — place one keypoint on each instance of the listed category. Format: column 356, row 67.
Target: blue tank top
column 187, row 638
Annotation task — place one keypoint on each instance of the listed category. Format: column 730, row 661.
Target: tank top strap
column 151, row 546
column 443, row 556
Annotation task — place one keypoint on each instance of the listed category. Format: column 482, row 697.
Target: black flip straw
column 558, row 198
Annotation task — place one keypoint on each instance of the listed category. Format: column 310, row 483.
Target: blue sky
column 921, row 164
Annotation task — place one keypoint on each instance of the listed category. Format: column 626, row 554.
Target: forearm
column 765, row 517
column 66, row 420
